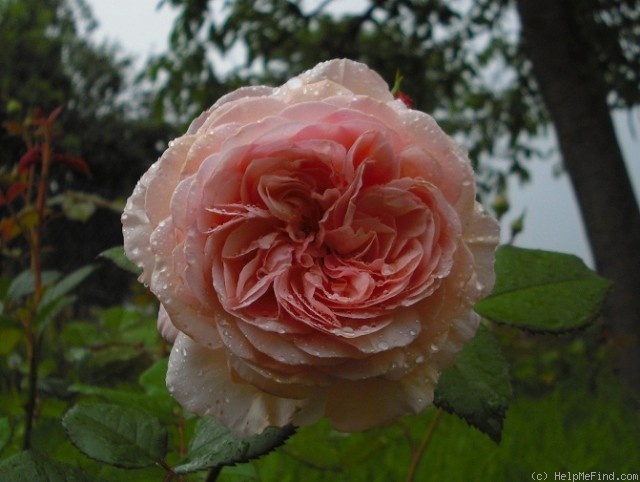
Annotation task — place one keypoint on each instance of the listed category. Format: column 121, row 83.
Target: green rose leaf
column 543, row 291
column 24, row 284
column 117, row 256
column 160, row 404
column 66, row 284
column 120, row 436
column 477, row 388
column 214, row 446
column 31, row 467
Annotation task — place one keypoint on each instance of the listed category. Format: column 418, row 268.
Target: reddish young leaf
column 15, row 190
column 32, row 156
column 75, row 163
column 54, row 115
column 40, row 119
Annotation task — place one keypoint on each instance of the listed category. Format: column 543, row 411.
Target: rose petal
column 482, row 235
column 200, row 381
column 241, row 93
column 353, row 406
column 355, row 77
column 165, row 327
column 184, row 310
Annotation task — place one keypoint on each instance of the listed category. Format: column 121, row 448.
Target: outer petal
column 352, row 76
column 353, row 406
column 482, row 234
column 136, row 228
column 167, row 283
column 200, row 381
column 165, row 327
column 454, row 174
column 242, row 93
column 149, row 205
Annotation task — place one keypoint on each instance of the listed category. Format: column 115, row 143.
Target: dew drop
column 383, row 345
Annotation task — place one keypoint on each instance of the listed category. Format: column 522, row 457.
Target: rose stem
column 419, row 453
column 33, row 339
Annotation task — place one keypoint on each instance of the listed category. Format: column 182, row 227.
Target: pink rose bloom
column 317, row 251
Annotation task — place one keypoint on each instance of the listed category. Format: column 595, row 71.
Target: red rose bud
column 408, row 101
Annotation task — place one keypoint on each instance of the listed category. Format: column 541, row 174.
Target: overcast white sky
column 552, row 220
